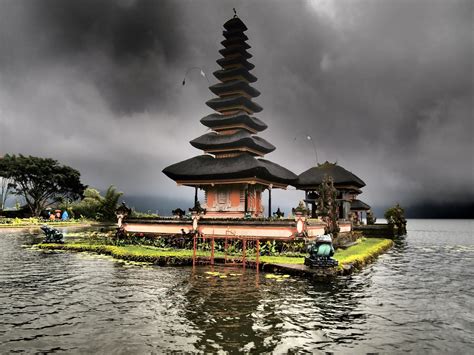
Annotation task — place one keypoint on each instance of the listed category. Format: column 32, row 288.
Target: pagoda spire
column 232, row 149
column 234, row 125
column 234, row 90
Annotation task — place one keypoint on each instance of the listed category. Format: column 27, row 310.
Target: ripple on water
column 417, row 297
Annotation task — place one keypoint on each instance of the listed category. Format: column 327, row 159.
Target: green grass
column 358, row 255
column 363, row 251
column 36, row 222
column 135, row 252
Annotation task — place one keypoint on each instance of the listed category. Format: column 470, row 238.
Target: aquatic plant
column 277, row 277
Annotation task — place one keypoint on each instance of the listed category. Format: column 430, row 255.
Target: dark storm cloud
column 123, row 47
column 383, row 87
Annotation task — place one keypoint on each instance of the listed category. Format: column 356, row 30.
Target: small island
column 230, row 226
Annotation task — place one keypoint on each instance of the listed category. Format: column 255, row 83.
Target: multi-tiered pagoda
column 232, row 172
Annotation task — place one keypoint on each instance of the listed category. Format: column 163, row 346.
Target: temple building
column 232, row 171
column 358, row 208
column 234, row 175
column 347, row 184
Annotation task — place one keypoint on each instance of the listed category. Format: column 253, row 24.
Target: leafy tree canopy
column 96, row 206
column 396, row 216
column 41, row 181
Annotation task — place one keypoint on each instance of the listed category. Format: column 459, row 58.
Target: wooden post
column 195, row 195
column 270, row 201
column 194, row 248
column 258, row 254
column 244, row 247
column 246, row 204
column 212, row 251
column 225, row 251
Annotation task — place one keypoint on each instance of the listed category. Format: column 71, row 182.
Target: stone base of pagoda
column 284, row 229
column 344, row 226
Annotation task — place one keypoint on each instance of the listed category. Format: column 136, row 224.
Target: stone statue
column 278, row 213
column 122, row 212
column 197, row 208
column 178, row 213
column 371, row 218
column 300, row 209
column 52, row 235
column 321, row 252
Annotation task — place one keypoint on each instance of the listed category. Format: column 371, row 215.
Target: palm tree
column 110, row 203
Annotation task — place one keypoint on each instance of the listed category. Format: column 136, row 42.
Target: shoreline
column 350, row 260
column 55, row 225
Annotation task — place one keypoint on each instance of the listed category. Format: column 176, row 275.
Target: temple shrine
column 232, row 171
column 234, row 175
column 347, row 184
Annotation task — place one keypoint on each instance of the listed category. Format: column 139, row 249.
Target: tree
column 395, row 216
column 6, row 186
column 41, row 181
column 95, row 206
column 327, row 204
column 110, row 203
column 89, row 206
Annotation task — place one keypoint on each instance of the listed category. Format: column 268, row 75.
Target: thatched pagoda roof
column 313, row 177
column 234, row 86
column 223, row 103
column 235, row 23
column 244, row 166
column 232, row 73
column 240, row 139
column 233, row 141
column 215, row 121
column 358, row 205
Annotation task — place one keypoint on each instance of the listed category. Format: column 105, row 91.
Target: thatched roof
column 235, row 60
column 313, row 177
column 222, row 103
column 234, row 85
column 239, row 139
column 223, row 74
column 358, row 205
column 206, row 167
column 216, row 120
column 235, row 23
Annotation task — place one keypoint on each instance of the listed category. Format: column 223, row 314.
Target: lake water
column 418, row 297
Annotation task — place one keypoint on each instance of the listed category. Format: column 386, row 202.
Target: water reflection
column 233, row 314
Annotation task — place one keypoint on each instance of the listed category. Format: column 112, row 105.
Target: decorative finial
column 235, row 12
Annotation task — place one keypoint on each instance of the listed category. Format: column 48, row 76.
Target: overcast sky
column 385, row 88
